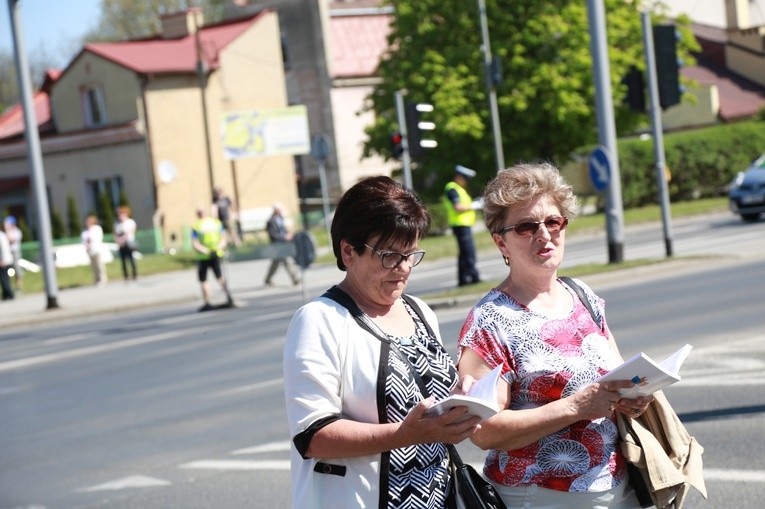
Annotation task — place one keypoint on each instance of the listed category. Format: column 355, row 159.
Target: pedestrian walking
column 280, row 236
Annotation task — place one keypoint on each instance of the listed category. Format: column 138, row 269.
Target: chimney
column 180, row 24
column 737, row 12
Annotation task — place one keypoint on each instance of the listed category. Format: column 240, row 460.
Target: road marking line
column 244, row 388
column 69, row 339
column 270, row 447
column 237, row 465
column 134, row 481
column 88, row 350
column 733, row 475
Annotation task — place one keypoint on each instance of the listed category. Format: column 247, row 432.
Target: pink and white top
column 545, row 359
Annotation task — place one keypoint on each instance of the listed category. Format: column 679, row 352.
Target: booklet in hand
column 481, row 398
column 648, row 375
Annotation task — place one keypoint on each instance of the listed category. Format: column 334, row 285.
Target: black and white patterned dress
column 418, row 474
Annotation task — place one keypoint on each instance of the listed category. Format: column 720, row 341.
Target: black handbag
column 470, row 489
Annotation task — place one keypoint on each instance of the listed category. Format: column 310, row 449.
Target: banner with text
column 261, row 133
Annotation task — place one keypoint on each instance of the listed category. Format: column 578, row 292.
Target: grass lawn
column 437, row 247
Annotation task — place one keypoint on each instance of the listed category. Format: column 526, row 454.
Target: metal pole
column 325, row 200
column 606, row 127
column 35, row 158
column 202, row 74
column 490, row 89
column 656, row 128
column 405, row 157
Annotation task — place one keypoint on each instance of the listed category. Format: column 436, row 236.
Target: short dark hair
column 378, row 207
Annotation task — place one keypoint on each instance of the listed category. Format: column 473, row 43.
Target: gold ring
column 613, row 405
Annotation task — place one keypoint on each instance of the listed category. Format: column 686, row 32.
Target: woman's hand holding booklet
column 481, row 399
column 648, row 375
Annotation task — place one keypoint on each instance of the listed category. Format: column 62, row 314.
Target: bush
column 701, row 163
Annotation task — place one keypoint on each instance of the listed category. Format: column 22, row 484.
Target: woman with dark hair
column 357, row 415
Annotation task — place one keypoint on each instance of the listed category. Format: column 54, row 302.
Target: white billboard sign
column 262, row 133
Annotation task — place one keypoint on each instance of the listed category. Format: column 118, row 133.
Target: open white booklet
column 481, row 398
column 648, row 375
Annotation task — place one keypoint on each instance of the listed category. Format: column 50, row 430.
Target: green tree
column 26, row 232
column 57, row 225
column 123, row 199
column 106, row 211
column 546, row 99
column 132, row 19
column 73, row 221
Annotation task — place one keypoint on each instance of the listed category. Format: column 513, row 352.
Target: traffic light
column 667, row 65
column 396, row 148
column 635, row 97
column 415, row 127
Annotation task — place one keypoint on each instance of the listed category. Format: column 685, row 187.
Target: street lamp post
column 490, row 87
column 35, row 158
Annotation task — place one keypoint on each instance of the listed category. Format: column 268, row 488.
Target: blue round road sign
column 600, row 168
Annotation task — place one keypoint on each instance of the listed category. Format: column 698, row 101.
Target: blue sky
column 52, row 26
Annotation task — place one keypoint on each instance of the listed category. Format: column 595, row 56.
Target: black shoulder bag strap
column 582, row 297
column 367, row 324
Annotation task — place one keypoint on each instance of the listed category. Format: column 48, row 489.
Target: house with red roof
column 144, row 118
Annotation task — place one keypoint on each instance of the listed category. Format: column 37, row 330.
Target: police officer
column 208, row 237
column 460, row 212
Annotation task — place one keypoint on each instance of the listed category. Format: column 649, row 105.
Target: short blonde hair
column 522, row 184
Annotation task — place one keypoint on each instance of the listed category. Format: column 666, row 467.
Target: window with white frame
column 93, row 104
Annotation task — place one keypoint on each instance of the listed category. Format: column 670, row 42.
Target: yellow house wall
column 67, row 172
column 749, row 65
column 688, row 114
column 120, row 87
column 250, row 77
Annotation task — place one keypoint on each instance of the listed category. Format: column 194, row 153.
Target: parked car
column 746, row 196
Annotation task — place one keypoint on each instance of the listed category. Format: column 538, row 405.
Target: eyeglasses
column 392, row 259
column 554, row 224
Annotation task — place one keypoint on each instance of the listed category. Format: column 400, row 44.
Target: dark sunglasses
column 553, row 224
column 392, row 259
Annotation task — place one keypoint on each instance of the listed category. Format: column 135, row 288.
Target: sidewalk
column 182, row 287
column 175, row 287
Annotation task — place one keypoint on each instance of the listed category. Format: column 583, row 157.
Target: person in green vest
column 460, row 211
column 208, row 237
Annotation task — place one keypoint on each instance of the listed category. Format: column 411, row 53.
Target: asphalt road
column 172, row 408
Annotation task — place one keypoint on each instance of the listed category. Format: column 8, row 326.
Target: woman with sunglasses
column 555, row 443
column 354, row 362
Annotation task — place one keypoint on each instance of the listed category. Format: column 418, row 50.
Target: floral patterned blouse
column 545, row 359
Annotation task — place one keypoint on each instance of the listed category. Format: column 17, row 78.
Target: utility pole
column 490, row 86
column 656, row 127
column 35, row 158
column 606, row 128
column 406, row 159
column 202, row 75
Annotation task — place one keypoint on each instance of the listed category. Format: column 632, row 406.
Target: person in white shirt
column 93, row 239
column 124, row 236
column 14, row 238
column 6, row 262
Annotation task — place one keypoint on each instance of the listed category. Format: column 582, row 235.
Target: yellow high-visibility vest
column 209, row 234
column 456, row 218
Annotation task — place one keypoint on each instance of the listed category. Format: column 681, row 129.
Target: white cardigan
column 330, row 369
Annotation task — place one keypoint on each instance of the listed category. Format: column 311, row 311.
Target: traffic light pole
column 406, row 159
column 656, row 128
column 606, row 128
